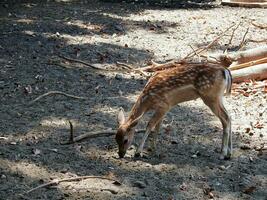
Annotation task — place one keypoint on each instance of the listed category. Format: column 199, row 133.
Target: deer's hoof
column 225, row 157
column 138, row 155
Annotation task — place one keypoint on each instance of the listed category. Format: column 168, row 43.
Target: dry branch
column 232, row 36
column 103, row 133
column 57, row 181
column 71, row 132
column 128, row 67
column 256, row 72
column 82, row 62
column 261, row 26
column 243, row 40
column 56, row 92
column 133, row 69
column 257, row 41
column 202, row 49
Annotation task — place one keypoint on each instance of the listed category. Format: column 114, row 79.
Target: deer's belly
column 182, row 94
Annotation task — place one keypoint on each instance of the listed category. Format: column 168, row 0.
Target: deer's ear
column 121, row 117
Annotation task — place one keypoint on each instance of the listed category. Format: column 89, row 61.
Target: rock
column 222, row 167
column 3, row 176
column 139, row 184
column 118, row 77
column 245, row 146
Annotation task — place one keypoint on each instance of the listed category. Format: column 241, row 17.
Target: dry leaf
column 258, row 125
column 249, row 190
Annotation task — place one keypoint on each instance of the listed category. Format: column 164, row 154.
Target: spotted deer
column 167, row 88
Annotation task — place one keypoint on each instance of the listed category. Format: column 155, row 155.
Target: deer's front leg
column 153, row 142
column 139, row 151
column 153, row 126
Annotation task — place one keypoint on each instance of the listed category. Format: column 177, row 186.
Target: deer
column 167, row 88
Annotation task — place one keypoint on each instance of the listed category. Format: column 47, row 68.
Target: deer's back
column 182, row 83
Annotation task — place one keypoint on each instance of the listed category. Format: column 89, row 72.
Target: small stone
column 139, row 184
column 118, row 77
column 3, row 176
column 28, row 89
column 183, row 187
column 174, row 142
column 245, row 147
column 222, row 167
column 247, row 129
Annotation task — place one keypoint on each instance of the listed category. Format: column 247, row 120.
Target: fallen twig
column 201, row 49
column 56, row 92
column 231, row 38
column 256, row 41
column 103, row 133
column 261, row 26
column 243, row 40
column 248, row 64
column 83, row 62
column 57, row 181
column 71, row 132
column 132, row 69
column 125, row 65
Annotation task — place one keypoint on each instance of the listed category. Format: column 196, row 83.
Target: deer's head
column 125, row 133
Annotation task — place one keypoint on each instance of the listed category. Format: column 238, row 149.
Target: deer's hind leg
column 217, row 107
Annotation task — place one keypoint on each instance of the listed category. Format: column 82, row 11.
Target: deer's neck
column 136, row 112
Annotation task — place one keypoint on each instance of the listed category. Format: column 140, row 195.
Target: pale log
column 256, row 72
column 248, row 55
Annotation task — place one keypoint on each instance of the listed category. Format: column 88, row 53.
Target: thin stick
column 56, row 92
column 259, row 25
column 232, row 36
column 82, row 62
column 201, row 49
column 260, row 86
column 257, row 41
column 195, row 53
column 104, row 133
column 243, row 39
column 57, row 181
column 248, row 64
column 71, row 132
column 125, row 65
column 131, row 68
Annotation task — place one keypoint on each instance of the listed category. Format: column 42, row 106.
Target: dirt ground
column 33, row 33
